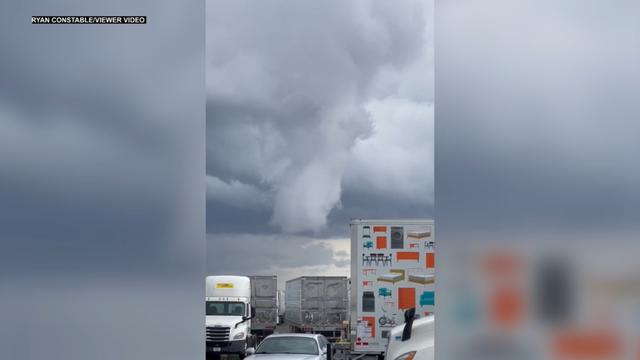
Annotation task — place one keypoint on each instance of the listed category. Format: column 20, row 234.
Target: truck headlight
column 238, row 336
column 406, row 356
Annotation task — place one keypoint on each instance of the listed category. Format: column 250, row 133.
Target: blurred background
column 537, row 179
column 102, row 182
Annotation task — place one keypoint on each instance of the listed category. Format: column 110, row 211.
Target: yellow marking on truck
column 224, row 285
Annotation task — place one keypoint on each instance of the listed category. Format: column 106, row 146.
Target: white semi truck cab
column 228, row 315
column 412, row 341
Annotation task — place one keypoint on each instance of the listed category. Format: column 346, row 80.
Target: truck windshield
column 225, row 308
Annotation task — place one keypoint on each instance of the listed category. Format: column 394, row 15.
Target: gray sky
column 93, row 160
column 548, row 114
column 101, row 182
column 316, row 113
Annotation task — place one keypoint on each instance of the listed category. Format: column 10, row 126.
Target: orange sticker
column 431, row 260
column 408, row 255
column 406, row 298
column 372, row 324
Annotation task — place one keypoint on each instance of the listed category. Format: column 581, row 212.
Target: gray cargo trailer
column 264, row 294
column 317, row 304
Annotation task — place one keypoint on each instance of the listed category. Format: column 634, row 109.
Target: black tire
column 252, row 341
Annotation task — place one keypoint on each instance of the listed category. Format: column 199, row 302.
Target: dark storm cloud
column 297, row 99
column 366, row 207
column 223, row 217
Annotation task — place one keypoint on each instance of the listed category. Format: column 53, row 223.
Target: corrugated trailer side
column 264, row 300
column 336, row 304
column 293, row 299
column 319, row 304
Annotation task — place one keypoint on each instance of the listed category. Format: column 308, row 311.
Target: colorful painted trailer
column 392, row 270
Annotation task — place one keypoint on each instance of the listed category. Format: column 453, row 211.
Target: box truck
column 228, row 315
column 316, row 304
column 392, row 271
column 264, row 299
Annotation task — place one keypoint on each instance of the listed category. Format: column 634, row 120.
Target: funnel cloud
column 316, row 113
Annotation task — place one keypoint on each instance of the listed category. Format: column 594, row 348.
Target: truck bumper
column 227, row 347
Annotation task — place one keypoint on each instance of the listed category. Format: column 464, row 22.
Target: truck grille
column 217, row 333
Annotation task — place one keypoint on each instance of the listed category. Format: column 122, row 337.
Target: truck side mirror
column 329, row 351
column 253, row 314
column 409, row 315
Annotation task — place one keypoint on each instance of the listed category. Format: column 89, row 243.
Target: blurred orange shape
column 586, row 344
column 502, row 263
column 507, row 307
